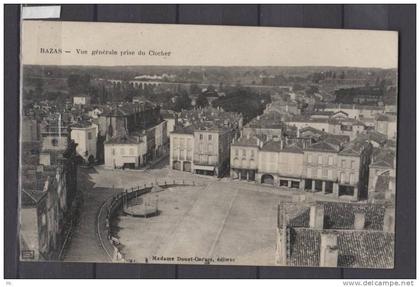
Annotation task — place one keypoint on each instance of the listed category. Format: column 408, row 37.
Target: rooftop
column 124, row 140
column 356, row 249
column 383, row 158
column 247, row 141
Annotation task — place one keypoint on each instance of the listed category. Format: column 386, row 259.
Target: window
column 353, row 165
column 252, row 154
column 330, row 173
column 243, row 152
column 343, row 163
column 352, row 178
column 319, row 159
column 89, row 135
column 122, row 151
column 330, row 160
column 309, row 158
column 320, row 173
column 201, row 136
column 342, row 177
column 210, row 148
column 210, row 137
column 113, row 151
column 131, row 151
column 54, row 142
column 236, row 152
column 325, row 172
column 175, row 141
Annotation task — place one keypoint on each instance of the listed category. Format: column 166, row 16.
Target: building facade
column 126, row 152
column 86, row 139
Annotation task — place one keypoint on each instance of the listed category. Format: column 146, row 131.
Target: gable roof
column 272, row 146
column 323, row 146
column 383, row 158
column 354, row 148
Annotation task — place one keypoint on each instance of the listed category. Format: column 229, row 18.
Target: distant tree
column 39, row 87
column 298, row 87
column 195, row 89
column 202, row 101
column 211, row 88
column 78, row 83
column 182, row 102
column 342, row 75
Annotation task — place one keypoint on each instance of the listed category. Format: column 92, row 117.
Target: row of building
column 49, row 196
column 342, row 162
column 128, row 135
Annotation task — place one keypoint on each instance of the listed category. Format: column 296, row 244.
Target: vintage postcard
column 183, row 144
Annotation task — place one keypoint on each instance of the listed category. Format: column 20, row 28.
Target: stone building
column 320, row 162
column 206, row 134
column 330, row 165
column 81, row 100
column 126, row 152
column 132, row 123
column 48, row 200
column 387, row 125
column 382, row 174
column 280, row 164
column 182, row 150
column 244, row 157
column 267, row 126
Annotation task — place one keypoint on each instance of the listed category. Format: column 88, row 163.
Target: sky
column 195, row 45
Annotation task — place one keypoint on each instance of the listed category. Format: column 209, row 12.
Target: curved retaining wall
column 114, row 204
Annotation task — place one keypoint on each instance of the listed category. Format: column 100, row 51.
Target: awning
column 204, row 167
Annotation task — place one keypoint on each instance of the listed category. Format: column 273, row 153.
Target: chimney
column 316, row 217
column 389, row 220
column 282, row 237
column 328, row 250
column 359, row 221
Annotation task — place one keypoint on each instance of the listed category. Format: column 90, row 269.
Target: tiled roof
column 356, row 249
column 311, row 129
column 383, row 158
column 323, row 146
column 124, row 140
column 247, row 141
column 272, row 146
column 183, row 130
column 293, row 148
column 373, row 136
column 341, row 215
column 354, row 148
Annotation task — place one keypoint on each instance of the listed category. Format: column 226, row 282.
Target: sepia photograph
column 209, row 145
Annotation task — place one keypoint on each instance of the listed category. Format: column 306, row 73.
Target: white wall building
column 86, row 139
column 125, row 152
column 81, row 100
